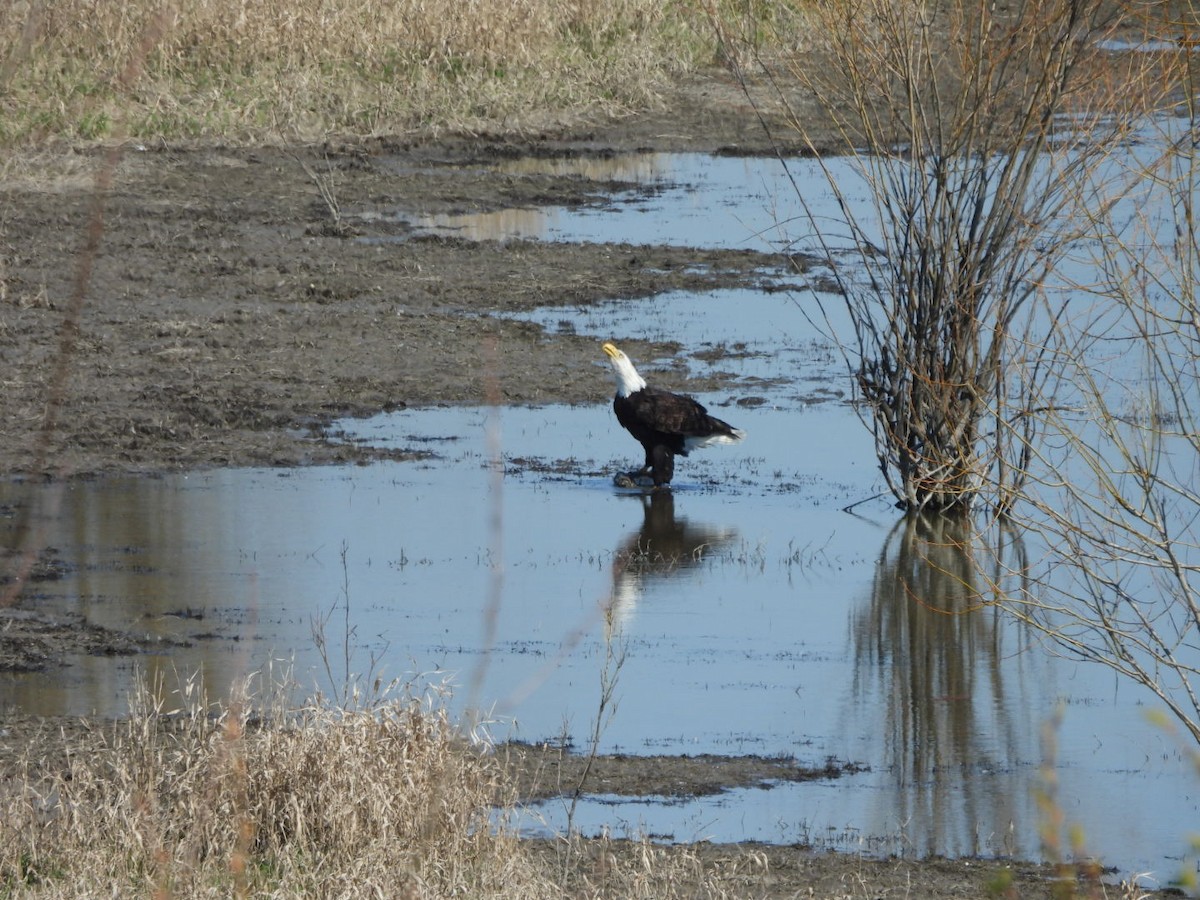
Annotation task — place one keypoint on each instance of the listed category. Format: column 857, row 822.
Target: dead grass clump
column 305, row 68
column 373, row 801
column 641, row 870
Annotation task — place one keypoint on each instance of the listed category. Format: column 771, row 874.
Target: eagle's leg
column 662, row 465
column 649, row 466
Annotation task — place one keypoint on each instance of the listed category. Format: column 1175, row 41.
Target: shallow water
column 685, row 199
column 743, row 612
column 755, row 617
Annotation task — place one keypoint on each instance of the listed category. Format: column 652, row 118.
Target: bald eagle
column 664, row 423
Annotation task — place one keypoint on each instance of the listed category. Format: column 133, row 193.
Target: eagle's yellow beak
column 611, row 350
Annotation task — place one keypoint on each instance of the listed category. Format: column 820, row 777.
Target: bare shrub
column 975, row 180
column 1114, row 500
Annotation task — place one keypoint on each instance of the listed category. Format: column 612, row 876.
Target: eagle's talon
column 633, row 480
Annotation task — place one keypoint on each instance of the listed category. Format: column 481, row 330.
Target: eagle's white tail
column 699, row 443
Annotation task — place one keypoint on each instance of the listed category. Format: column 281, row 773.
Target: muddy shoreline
column 230, row 311
column 238, row 299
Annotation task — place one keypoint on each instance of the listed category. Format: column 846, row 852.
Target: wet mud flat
column 219, row 306
column 224, row 324
column 238, row 298
column 544, row 771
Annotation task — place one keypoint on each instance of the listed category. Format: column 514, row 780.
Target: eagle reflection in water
column 665, row 546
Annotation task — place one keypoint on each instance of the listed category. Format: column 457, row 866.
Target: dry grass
column 380, row 798
column 305, row 68
column 376, row 800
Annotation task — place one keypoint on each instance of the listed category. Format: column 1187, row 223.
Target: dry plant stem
column 58, row 382
column 495, row 462
column 60, row 374
column 346, row 687
column 606, row 708
column 1076, row 874
column 20, row 47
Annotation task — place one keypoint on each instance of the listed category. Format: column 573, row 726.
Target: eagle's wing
column 674, row 414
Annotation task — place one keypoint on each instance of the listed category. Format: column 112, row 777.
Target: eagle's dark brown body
column 667, row 425
column 664, row 423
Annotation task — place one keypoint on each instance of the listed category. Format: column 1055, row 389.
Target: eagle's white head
column 628, row 379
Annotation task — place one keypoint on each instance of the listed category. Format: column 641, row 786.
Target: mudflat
column 220, row 306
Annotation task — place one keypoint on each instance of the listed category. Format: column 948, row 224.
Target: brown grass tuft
column 381, row 800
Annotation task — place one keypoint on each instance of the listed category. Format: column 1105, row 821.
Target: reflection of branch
column 847, row 509
column 928, row 651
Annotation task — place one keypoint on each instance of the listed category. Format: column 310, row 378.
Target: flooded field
column 743, row 612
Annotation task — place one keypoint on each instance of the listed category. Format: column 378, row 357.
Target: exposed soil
column 544, row 771
column 212, row 309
